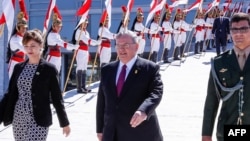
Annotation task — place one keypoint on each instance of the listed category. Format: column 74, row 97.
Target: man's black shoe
column 87, row 90
column 177, row 58
column 82, row 91
column 166, row 61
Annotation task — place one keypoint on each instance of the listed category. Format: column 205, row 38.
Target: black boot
column 196, row 48
column 154, row 56
column 176, row 53
column 79, row 81
column 208, row 44
column 201, row 47
column 165, row 56
column 85, row 90
column 212, row 42
column 182, row 51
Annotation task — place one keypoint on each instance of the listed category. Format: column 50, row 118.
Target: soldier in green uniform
column 229, row 82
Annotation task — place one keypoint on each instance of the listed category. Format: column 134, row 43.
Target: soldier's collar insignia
column 223, row 70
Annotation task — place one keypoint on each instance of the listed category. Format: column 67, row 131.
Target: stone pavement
column 180, row 111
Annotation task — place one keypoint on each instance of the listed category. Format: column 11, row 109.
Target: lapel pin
column 223, row 70
column 136, row 71
column 37, row 73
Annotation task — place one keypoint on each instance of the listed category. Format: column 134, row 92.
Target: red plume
column 166, row 6
column 124, row 9
column 104, row 16
column 56, row 10
column 23, row 9
column 139, row 10
column 178, row 10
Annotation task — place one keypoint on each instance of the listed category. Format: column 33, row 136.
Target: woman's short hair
column 35, row 35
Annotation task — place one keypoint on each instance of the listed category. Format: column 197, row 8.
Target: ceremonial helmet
column 210, row 13
column 168, row 11
column 199, row 13
column 22, row 16
column 179, row 14
column 157, row 15
column 124, row 10
column 139, row 12
column 21, row 20
column 56, row 20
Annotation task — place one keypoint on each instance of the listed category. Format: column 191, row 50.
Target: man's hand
column 137, row 118
column 206, row 138
column 99, row 136
column 66, row 131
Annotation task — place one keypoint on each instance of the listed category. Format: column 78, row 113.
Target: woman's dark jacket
column 45, row 84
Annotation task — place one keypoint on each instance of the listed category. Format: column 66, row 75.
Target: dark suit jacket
column 229, row 73
column 141, row 91
column 221, row 29
column 45, row 83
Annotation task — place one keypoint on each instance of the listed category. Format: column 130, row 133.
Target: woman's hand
column 66, row 131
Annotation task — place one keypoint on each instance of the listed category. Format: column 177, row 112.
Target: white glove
column 176, row 31
column 98, row 42
column 76, row 47
column 193, row 26
column 71, row 46
column 158, row 29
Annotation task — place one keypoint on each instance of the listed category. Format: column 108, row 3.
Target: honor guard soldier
column 106, row 37
column 123, row 27
column 155, row 36
column 167, row 34
column 180, row 38
column 81, row 36
column 54, row 42
column 16, row 53
column 140, row 30
column 200, row 23
column 209, row 22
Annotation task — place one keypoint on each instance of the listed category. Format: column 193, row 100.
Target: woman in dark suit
column 26, row 105
column 129, row 92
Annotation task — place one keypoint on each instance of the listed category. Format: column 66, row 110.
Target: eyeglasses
column 123, row 46
column 240, row 30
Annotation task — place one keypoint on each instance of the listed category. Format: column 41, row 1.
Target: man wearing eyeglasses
column 229, row 82
column 220, row 32
column 130, row 90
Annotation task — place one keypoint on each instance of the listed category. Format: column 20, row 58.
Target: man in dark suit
column 229, row 83
column 221, row 32
column 128, row 113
